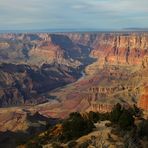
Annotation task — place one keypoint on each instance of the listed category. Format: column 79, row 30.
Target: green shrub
column 143, row 128
column 116, row 113
column 126, row 119
column 104, row 116
column 76, row 126
column 93, row 116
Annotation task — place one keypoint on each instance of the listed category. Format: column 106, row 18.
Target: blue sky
column 67, row 14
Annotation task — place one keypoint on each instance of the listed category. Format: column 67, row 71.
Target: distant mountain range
column 58, row 30
column 135, row 29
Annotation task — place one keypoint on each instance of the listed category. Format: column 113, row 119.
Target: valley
column 54, row 75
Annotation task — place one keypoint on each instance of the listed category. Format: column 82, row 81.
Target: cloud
column 43, row 14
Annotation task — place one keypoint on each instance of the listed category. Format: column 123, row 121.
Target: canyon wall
column 119, row 71
column 115, row 48
column 122, row 65
column 143, row 100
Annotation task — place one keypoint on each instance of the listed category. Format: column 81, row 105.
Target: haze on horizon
column 76, row 14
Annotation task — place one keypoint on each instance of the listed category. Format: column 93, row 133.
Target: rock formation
column 23, row 84
column 42, row 62
column 143, row 101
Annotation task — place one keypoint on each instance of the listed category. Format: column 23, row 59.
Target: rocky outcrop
column 123, row 49
column 46, row 52
column 143, row 101
column 115, row 48
column 23, row 84
column 103, row 108
column 36, row 49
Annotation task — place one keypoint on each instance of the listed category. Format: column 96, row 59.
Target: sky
column 73, row 14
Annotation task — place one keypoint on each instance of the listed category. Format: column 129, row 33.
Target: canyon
column 44, row 72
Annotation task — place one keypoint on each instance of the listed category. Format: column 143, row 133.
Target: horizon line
column 70, row 30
